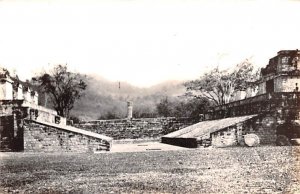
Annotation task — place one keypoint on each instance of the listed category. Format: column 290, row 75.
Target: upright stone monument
column 129, row 110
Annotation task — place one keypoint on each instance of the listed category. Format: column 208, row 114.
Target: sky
column 144, row 42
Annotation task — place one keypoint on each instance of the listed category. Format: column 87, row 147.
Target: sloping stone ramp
column 42, row 136
column 188, row 137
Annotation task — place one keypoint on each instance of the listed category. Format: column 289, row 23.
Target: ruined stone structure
column 270, row 110
column 129, row 110
column 274, row 102
column 136, row 128
column 47, row 137
column 26, row 126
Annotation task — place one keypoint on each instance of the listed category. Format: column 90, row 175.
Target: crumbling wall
column 6, row 89
column 40, row 113
column 41, row 138
column 148, row 128
column 287, row 84
column 263, row 126
column 6, row 133
column 261, row 88
column 226, row 137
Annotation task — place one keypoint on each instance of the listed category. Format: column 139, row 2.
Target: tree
column 182, row 107
column 164, row 107
column 219, row 86
column 63, row 88
column 190, row 107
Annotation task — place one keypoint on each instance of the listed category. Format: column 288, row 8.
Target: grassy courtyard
column 227, row 170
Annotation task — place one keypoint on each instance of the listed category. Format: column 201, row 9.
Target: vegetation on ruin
column 63, row 88
column 104, row 99
column 219, row 86
column 186, row 107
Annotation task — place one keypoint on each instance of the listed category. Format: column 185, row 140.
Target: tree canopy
column 63, row 87
column 182, row 107
column 219, row 86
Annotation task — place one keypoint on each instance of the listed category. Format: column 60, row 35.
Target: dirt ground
column 144, row 146
column 154, row 168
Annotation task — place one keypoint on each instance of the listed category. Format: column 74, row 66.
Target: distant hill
column 107, row 99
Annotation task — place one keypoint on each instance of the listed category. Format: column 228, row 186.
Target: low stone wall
column 41, row 138
column 152, row 128
column 43, row 114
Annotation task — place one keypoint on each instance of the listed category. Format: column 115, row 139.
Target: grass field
column 226, row 170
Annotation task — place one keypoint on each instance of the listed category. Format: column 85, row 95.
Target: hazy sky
column 144, row 42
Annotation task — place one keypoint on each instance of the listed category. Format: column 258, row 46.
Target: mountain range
column 105, row 99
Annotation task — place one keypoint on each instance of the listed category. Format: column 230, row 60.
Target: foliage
column 191, row 107
column 63, row 88
column 182, row 107
column 102, row 97
column 75, row 119
column 219, row 86
column 164, row 108
column 109, row 115
column 142, row 113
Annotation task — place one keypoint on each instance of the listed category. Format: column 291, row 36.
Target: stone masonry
column 145, row 128
column 274, row 98
column 263, row 126
column 27, row 126
column 42, row 138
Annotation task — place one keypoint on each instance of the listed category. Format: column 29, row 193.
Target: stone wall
column 287, row 84
column 148, row 128
column 263, row 126
column 251, row 91
column 41, row 138
column 31, row 111
column 261, row 88
column 40, row 113
column 226, row 137
column 265, row 129
column 6, row 89
column 6, row 133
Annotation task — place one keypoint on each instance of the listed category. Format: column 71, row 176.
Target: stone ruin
column 27, row 126
column 270, row 110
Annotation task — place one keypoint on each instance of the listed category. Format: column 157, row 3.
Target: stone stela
column 129, row 110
